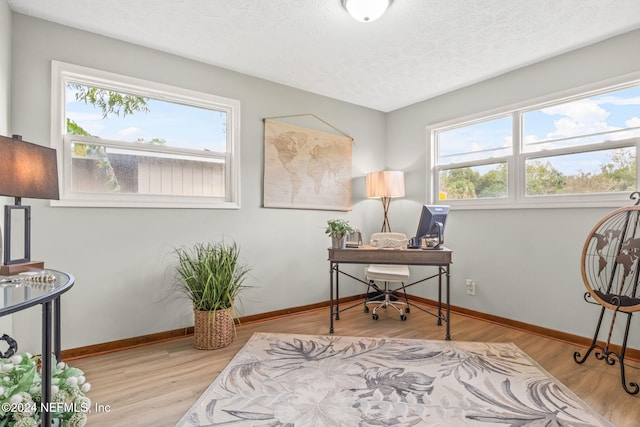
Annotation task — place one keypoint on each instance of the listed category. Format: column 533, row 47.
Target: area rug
column 305, row 380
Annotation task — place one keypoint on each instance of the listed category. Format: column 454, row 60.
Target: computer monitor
column 432, row 221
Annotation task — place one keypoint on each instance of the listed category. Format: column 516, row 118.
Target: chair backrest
column 388, row 240
column 389, row 273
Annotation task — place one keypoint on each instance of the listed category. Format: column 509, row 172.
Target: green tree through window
column 618, row 174
column 574, row 151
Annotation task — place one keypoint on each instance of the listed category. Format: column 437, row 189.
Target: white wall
column 5, row 111
column 5, row 66
column 121, row 257
column 526, row 262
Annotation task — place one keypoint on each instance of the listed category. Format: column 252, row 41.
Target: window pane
column 92, row 111
column 475, row 142
column 474, row 182
column 128, row 142
column 605, row 171
column 609, row 117
column 101, row 169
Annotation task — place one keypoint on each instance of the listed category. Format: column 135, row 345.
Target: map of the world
column 306, row 168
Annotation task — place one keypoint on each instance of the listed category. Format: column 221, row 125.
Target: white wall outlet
column 471, row 287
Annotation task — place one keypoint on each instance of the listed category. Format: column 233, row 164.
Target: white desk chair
column 387, row 273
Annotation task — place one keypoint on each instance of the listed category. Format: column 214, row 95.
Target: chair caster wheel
column 403, row 317
column 375, row 317
column 407, row 310
column 366, row 309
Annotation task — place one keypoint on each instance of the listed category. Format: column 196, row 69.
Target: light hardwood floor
column 156, row 384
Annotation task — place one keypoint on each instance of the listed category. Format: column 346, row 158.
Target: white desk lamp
column 385, row 185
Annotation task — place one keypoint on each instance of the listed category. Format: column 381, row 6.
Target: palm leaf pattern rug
column 306, row 380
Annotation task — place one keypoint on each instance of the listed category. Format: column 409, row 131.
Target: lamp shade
column 385, row 184
column 366, row 10
column 28, row 170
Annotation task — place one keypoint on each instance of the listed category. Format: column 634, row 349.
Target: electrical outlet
column 471, row 287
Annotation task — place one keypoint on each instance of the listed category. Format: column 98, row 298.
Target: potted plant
column 212, row 276
column 338, row 230
column 21, row 393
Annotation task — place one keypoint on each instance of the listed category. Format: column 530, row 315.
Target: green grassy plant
column 211, row 275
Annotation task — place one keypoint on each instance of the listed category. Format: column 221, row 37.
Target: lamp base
column 12, row 269
column 386, row 201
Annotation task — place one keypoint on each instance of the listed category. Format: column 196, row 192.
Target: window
column 472, row 160
column 572, row 152
column 132, row 143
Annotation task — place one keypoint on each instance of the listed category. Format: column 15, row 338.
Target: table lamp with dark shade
column 26, row 170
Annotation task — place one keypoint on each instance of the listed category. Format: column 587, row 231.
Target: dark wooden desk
column 440, row 258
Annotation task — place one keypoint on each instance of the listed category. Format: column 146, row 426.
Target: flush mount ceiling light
column 366, row 10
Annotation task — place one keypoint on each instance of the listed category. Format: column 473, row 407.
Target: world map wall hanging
column 306, row 168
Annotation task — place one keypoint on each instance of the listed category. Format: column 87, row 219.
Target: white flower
column 7, row 367
column 79, row 419
column 15, row 399
column 1, row 390
column 83, row 403
column 85, row 387
column 6, row 379
column 81, row 379
column 26, row 422
column 16, row 360
column 60, row 397
column 61, row 366
column 72, row 381
column 29, row 407
column 55, row 389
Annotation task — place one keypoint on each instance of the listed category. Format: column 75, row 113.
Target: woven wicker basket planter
column 213, row 329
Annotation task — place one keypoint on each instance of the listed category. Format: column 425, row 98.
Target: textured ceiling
column 417, row 50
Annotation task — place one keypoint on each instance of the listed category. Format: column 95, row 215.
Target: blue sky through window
column 603, row 113
column 575, row 122
column 179, row 125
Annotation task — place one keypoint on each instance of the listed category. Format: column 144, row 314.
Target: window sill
column 188, row 203
column 544, row 202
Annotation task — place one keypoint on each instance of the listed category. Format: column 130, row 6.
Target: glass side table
column 44, row 288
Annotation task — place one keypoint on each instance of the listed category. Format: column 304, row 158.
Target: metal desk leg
column 448, row 335
column 439, row 295
column 331, row 297
column 57, row 340
column 337, row 273
column 46, row 363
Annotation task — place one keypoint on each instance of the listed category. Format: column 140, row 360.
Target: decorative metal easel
column 611, row 272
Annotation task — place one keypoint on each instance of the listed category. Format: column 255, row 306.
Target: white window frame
column 62, row 73
column 516, row 162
